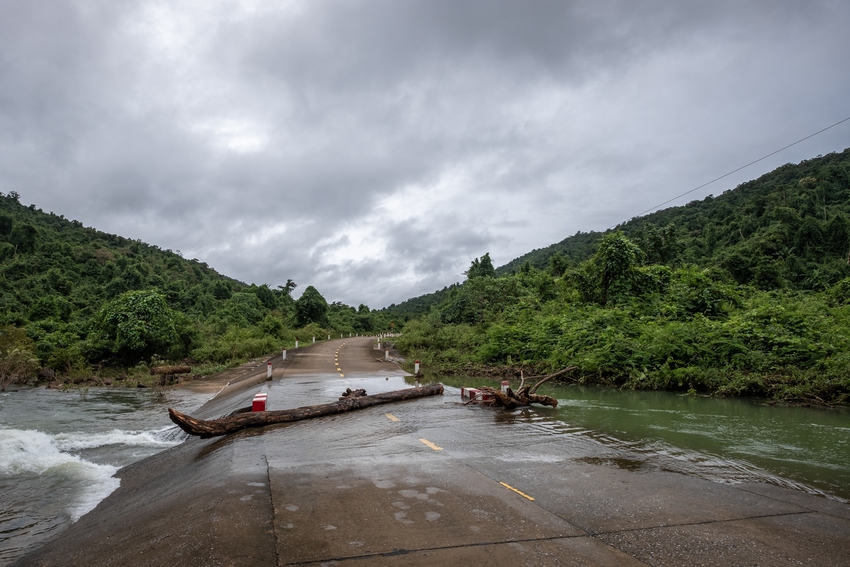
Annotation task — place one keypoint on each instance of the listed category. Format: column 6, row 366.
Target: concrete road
column 426, row 482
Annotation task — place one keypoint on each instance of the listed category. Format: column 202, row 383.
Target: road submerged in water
column 425, row 482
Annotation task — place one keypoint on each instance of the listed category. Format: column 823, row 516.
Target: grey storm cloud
column 373, row 148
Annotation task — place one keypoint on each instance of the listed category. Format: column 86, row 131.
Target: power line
column 742, row 167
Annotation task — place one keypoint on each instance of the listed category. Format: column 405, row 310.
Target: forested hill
column 745, row 293
column 788, row 228
column 73, row 298
column 52, row 264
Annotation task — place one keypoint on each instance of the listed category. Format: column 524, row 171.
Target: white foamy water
column 24, row 453
column 78, row 441
column 60, row 452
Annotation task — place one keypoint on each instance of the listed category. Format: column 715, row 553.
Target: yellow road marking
column 391, row 417
column 428, row 443
column 341, row 375
column 523, row 494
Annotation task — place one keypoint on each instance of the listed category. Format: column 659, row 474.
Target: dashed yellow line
column 336, row 363
column 523, row 494
column 429, row 444
column 391, row 417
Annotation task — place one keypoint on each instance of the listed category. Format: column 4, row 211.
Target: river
column 60, row 450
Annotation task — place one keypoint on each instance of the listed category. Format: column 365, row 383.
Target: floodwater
column 60, row 450
column 722, row 439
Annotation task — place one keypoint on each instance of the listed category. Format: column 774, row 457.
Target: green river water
column 725, row 439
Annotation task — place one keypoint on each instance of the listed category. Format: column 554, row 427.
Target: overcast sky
column 373, row 148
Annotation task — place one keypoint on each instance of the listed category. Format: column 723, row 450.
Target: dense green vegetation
column 747, row 293
column 74, row 301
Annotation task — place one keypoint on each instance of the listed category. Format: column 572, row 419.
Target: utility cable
column 742, row 167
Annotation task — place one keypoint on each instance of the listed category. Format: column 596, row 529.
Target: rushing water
column 722, row 439
column 60, row 450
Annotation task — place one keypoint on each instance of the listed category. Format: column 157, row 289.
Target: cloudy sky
column 373, row 148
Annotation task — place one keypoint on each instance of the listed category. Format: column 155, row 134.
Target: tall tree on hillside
column 311, row 307
column 612, row 271
column 265, row 295
column 287, row 289
column 481, row 268
column 658, row 243
column 24, row 236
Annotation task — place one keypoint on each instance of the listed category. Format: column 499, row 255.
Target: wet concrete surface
column 426, row 482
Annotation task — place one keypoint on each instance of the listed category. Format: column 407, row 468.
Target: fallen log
column 170, row 370
column 524, row 396
column 233, row 423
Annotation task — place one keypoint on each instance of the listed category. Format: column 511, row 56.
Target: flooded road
column 431, row 482
column 722, row 439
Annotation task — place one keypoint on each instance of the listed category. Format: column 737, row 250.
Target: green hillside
column 75, row 302
column 786, row 229
column 742, row 294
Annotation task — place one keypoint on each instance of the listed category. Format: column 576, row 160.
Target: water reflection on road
column 726, row 440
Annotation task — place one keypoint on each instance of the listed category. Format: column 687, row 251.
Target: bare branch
column 551, row 376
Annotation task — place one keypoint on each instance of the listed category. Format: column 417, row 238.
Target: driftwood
column 169, row 370
column 235, row 422
column 524, row 396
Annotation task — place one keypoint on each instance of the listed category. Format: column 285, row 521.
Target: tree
column 17, row 360
column 265, row 295
column 311, row 307
column 136, row 325
column 24, row 236
column 287, row 289
column 221, row 290
column 612, row 271
column 481, row 269
column 558, row 264
column 658, row 243
column 6, row 224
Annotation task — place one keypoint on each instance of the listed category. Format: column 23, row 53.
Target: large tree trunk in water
column 525, row 396
column 233, row 423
